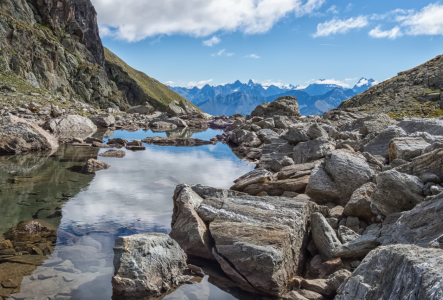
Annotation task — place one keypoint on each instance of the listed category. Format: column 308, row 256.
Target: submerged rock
column 94, row 165
column 146, row 265
column 18, row 135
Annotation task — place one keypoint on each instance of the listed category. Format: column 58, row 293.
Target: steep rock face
column 413, row 93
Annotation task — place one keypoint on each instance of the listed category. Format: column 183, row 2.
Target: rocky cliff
column 53, row 48
column 413, row 93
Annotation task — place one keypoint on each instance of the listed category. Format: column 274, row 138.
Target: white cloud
column 428, row 21
column 349, row 7
column 222, row 52
column 333, row 81
column 392, row 34
column 333, row 9
column 170, row 83
column 393, row 15
column 134, row 20
column 199, row 84
column 211, row 42
column 252, row 56
column 335, row 26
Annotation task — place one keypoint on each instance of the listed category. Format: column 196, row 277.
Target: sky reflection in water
column 135, row 196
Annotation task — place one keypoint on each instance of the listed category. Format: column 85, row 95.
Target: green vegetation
column 10, row 79
column 156, row 93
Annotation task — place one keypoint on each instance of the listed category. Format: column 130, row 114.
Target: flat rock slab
column 113, row 153
column 408, row 272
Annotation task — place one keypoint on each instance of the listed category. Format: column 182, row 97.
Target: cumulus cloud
column 428, row 21
column 211, row 42
column 392, row 34
column 199, row 84
column 170, row 83
column 252, row 56
column 134, row 20
column 335, row 26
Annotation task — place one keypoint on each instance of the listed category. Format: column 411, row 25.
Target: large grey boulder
column 358, row 247
column 409, row 272
column 244, row 137
column 397, row 192
column 283, row 106
column 406, row 148
column 259, row 242
column 188, row 229
column 431, row 162
column 103, row 120
column 312, row 150
column 18, row 135
column 146, row 265
column 419, row 226
column 380, row 144
column 183, row 109
column 324, row 236
column 71, row 125
column 268, row 136
column 145, row 109
column 433, row 126
column 295, row 135
column 316, row 131
column 343, row 172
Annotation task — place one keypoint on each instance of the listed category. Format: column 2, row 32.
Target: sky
column 196, row 42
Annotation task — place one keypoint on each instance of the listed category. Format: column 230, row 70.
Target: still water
column 88, row 212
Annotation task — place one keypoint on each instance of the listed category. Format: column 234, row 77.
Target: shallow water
column 90, row 211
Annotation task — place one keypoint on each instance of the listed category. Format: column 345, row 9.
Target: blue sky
column 186, row 43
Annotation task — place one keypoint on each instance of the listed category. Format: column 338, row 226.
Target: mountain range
column 238, row 97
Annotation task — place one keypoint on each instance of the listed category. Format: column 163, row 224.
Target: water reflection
column 90, row 211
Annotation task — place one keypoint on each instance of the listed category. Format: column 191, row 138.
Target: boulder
column 431, row 162
column 419, row 226
column 324, row 236
column 182, row 109
column 70, row 125
column 93, row 165
column 433, row 126
column 296, row 135
column 336, row 279
column 244, row 137
column 259, row 242
column 177, row 122
column 312, row 150
column 346, row 234
column 146, row 265
column 342, row 174
column 18, row 135
column 409, row 272
column 358, row 247
column 162, row 125
column 267, row 136
column 283, row 106
column 317, row 285
column 103, row 120
column 406, row 148
column 113, row 153
column 380, row 144
column 188, row 229
column 145, row 109
column 360, row 203
column 322, row 187
column 396, row 192
column 316, row 131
